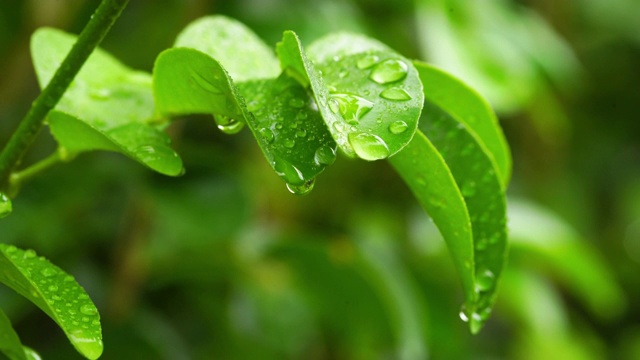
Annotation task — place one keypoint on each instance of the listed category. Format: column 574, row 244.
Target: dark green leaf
column 370, row 101
column 479, row 184
column 467, row 107
column 10, row 344
column 107, row 107
column 431, row 181
column 57, row 294
column 231, row 43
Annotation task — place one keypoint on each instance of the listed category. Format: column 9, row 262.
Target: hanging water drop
column 395, row 94
column 368, row 146
column 389, row 71
column 303, row 189
column 485, row 280
column 228, row 125
column 398, row 127
column 325, row 155
column 5, row 206
column 367, row 61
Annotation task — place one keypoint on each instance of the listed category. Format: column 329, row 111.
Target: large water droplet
column 228, row 125
column 352, row 107
column 396, row 94
column 325, row 155
column 485, row 280
column 5, row 206
column 367, row 61
column 267, row 135
column 475, row 323
column 291, row 174
column 334, row 106
column 389, row 71
column 206, row 84
column 398, row 127
column 303, row 189
column 368, row 146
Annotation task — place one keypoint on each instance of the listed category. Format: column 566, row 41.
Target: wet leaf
column 105, row 100
column 370, row 101
column 10, row 344
column 57, row 294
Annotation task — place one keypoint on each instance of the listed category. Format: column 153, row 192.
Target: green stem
column 17, row 178
column 92, row 34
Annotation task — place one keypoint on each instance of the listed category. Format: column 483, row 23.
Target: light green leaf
column 10, row 344
column 467, row 107
column 242, row 53
column 57, row 294
column 370, row 101
column 342, row 44
column 107, row 107
column 279, row 112
column 424, row 170
column 475, row 174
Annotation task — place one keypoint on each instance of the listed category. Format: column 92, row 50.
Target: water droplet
column 228, row 125
column 389, row 71
column 289, row 143
column 47, row 272
column 485, row 280
column 267, row 135
column 303, row 189
column 206, row 84
column 291, row 174
column 301, row 115
column 476, row 323
column 367, row 61
column 88, row 309
column 396, row 94
column 5, row 206
column 100, row 93
column 29, row 254
column 339, row 126
column 398, row 127
column 463, row 314
column 352, row 107
column 53, row 288
column 296, row 102
column 468, row 189
column 301, row 133
column 334, row 106
column 368, row 146
column 325, row 155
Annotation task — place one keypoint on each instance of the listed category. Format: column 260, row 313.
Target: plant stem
column 17, row 178
column 92, row 34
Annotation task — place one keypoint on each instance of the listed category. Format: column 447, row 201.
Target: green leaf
column 476, row 176
column 342, row 44
column 424, row 170
column 57, row 294
column 279, row 112
column 107, row 107
column 467, row 107
column 10, row 344
column 242, row 53
column 370, row 101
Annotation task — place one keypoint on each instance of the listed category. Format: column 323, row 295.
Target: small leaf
column 467, row 107
column 371, row 109
column 105, row 100
column 10, row 344
column 242, row 53
column 279, row 112
column 476, row 176
column 57, row 294
column 423, row 169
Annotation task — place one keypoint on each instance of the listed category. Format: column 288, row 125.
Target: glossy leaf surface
column 107, row 107
column 242, row 53
column 466, row 106
column 10, row 344
column 57, row 294
column 479, row 184
column 370, row 101
column 428, row 176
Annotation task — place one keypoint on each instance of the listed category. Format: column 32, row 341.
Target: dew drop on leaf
column 352, row 107
column 47, row 272
column 289, row 143
column 367, row 61
column 88, row 309
column 303, row 189
column 468, row 189
column 395, row 94
column 389, row 71
column 325, row 155
column 5, row 206
column 267, row 135
column 206, row 84
column 291, row 174
column 228, row 125
column 398, row 127
column 296, row 102
column 368, row 146
column 485, row 280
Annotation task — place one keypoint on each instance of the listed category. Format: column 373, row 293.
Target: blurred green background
column 224, row 263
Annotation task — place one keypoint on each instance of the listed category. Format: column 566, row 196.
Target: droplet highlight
column 395, row 94
column 368, row 146
column 398, row 127
column 303, row 189
column 228, row 125
column 389, row 71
